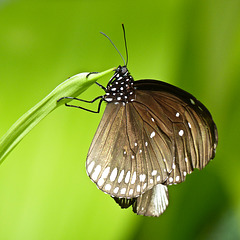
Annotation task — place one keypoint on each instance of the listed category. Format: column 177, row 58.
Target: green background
column 45, row 192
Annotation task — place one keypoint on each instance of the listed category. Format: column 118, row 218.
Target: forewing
column 185, row 121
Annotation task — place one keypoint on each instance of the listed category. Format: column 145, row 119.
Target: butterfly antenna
column 125, row 41
column 114, row 46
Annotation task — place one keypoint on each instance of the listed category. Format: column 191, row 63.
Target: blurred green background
column 45, row 192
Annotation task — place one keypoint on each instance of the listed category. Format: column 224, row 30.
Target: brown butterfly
column 152, row 134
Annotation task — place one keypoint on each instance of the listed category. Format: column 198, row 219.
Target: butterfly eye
column 123, row 70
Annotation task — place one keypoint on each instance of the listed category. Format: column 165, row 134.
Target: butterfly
column 151, row 135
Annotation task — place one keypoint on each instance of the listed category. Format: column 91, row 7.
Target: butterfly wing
column 158, row 138
column 185, row 120
column 122, row 160
column 153, row 202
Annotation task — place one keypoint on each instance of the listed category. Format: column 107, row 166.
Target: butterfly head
column 122, row 70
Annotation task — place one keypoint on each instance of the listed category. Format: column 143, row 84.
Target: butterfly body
column 152, row 134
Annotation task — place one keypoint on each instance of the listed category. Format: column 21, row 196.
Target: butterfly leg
column 78, row 99
column 101, row 86
column 91, row 73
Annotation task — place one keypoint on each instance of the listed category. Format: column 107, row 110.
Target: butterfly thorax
column 120, row 87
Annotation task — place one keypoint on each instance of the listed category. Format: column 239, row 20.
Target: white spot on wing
column 170, row 179
column 189, row 124
column 138, row 188
column 96, row 172
column 181, row 132
column 131, row 191
column 142, row 177
column 152, row 134
column 100, row 182
column 116, row 189
column 146, row 143
column 177, row 114
column 151, row 180
column 108, row 187
column 123, row 190
column 105, row 172
column 154, row 172
column 177, row 178
column 158, row 178
column 113, row 175
column 192, row 101
column 127, row 178
column 90, row 167
column 121, row 176
column 153, row 119
column 184, row 173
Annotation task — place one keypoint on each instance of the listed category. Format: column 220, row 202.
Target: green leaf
column 72, row 87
